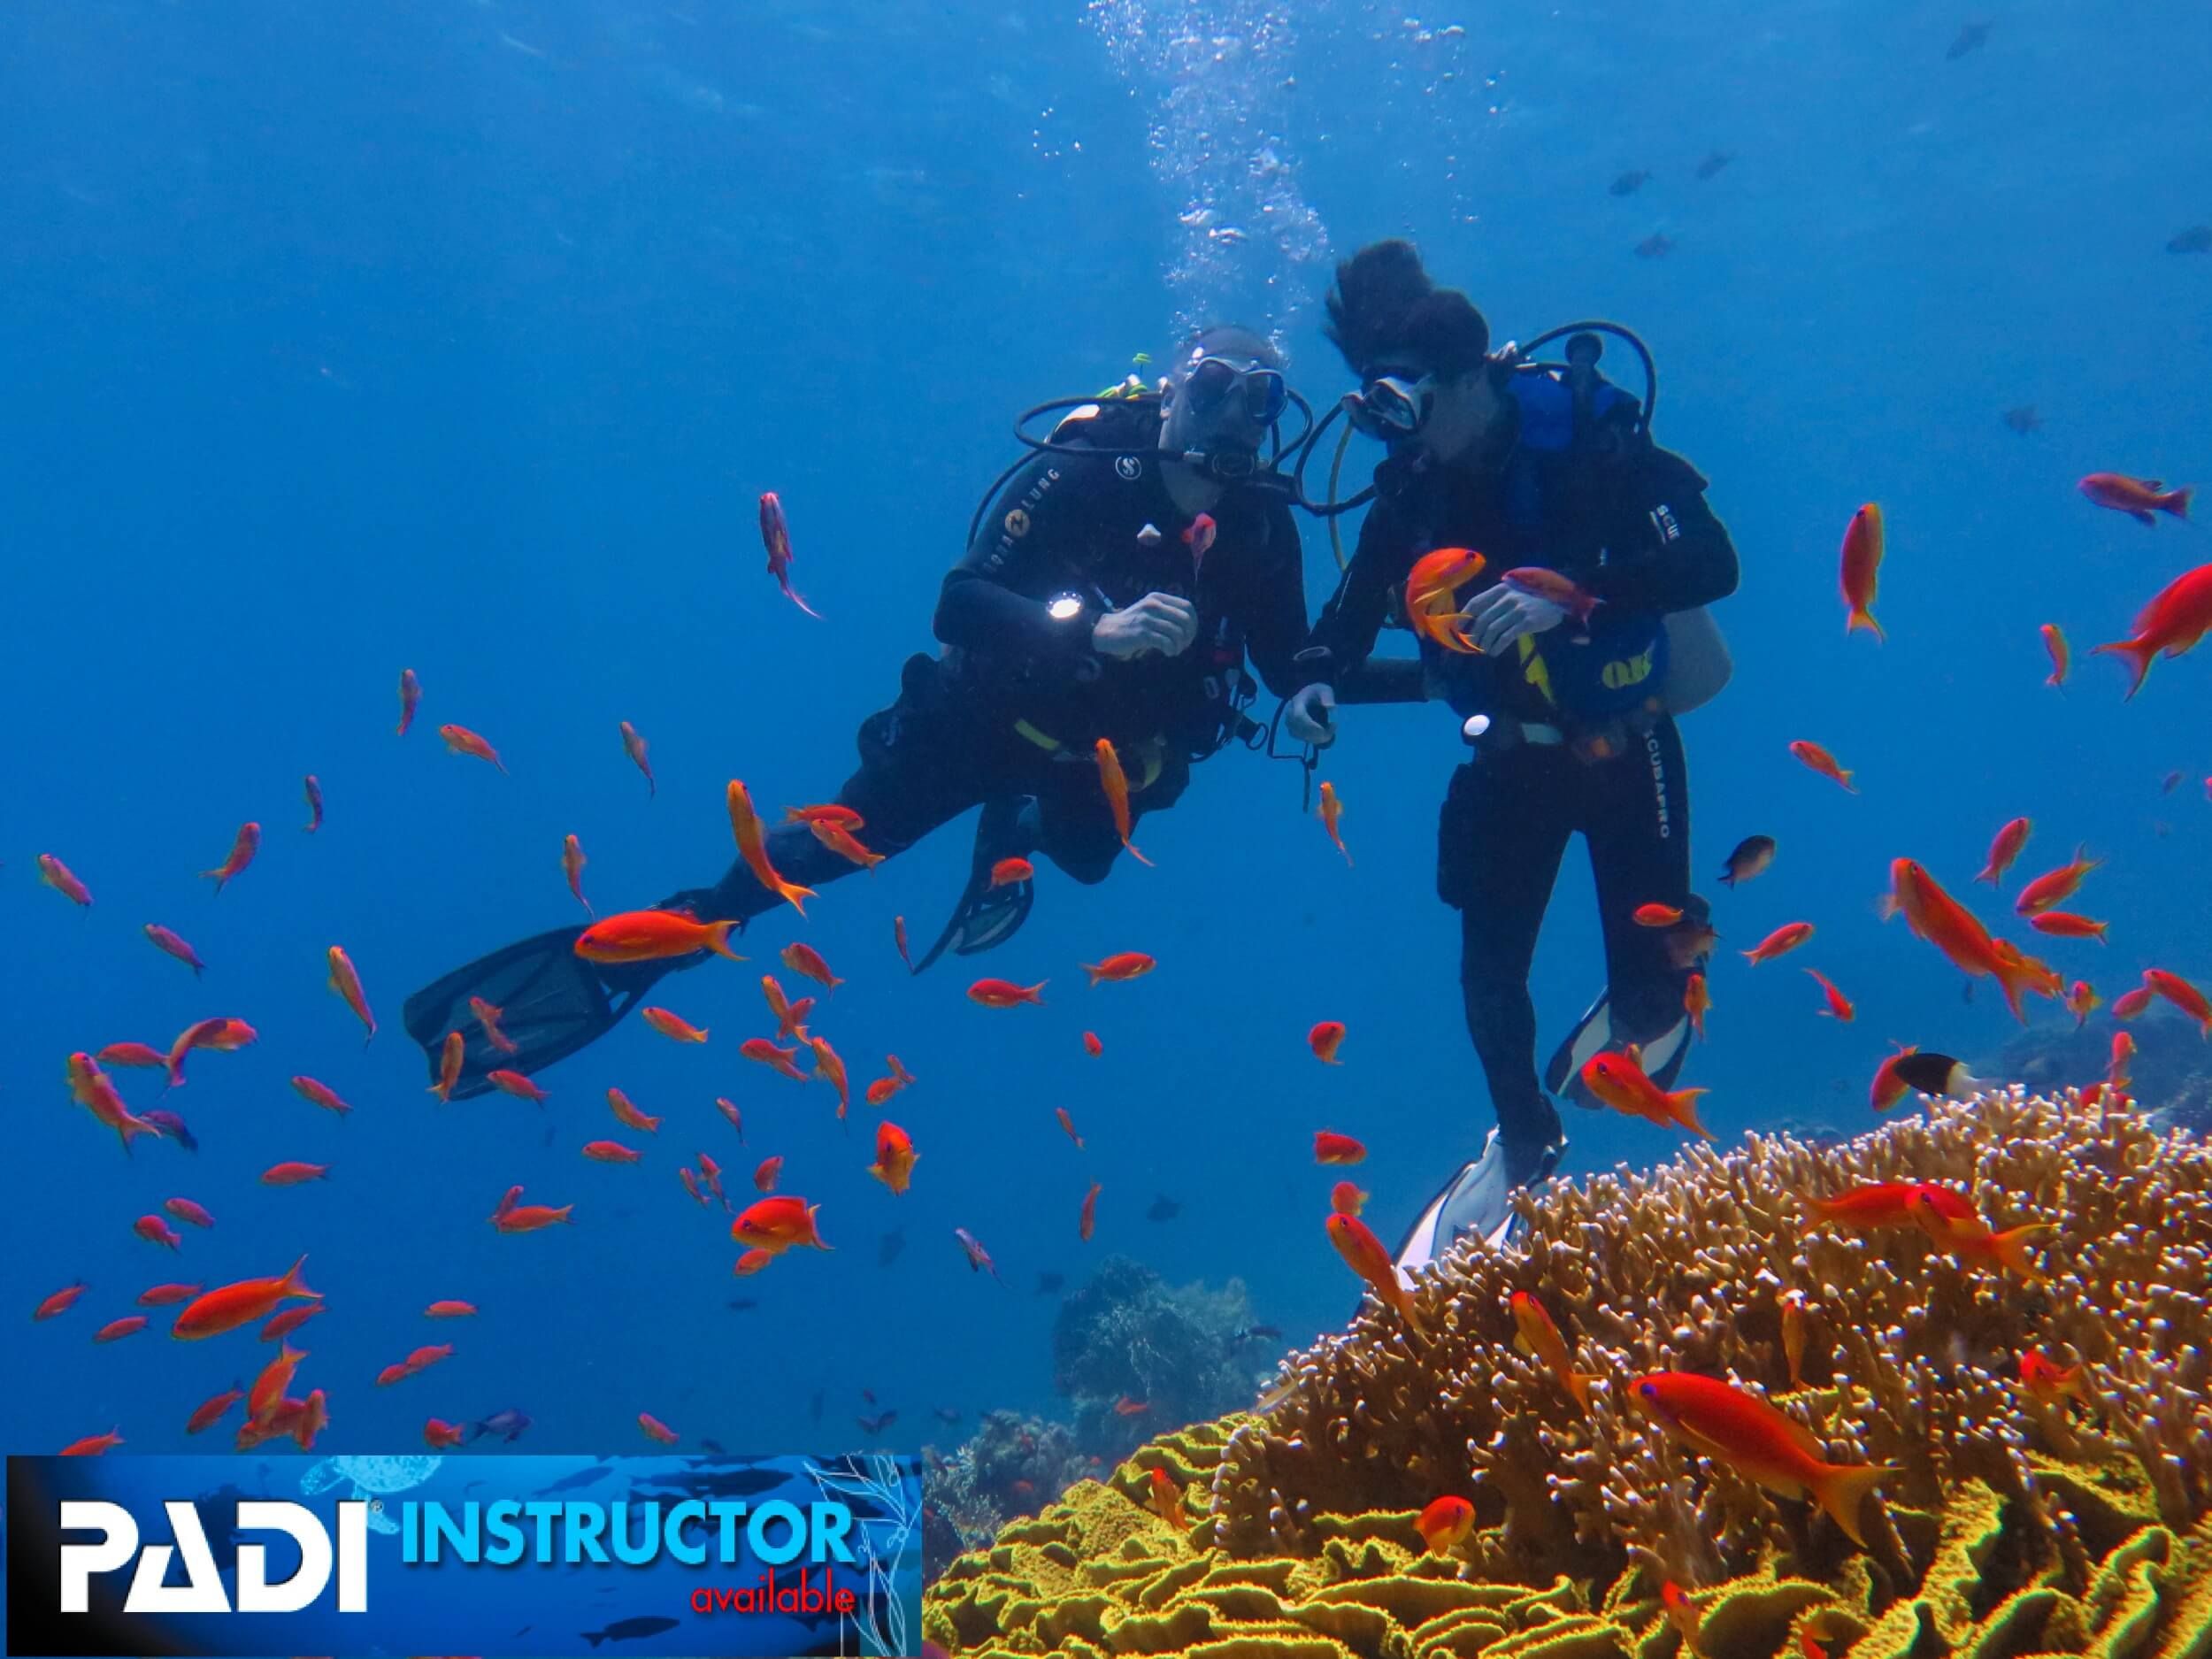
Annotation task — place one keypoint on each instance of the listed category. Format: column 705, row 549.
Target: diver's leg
column 1075, row 825
column 1502, row 832
column 1636, row 816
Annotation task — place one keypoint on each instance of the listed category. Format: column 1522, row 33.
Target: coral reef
column 2013, row 1524
column 1126, row 1340
column 1012, row 1465
column 2171, row 1071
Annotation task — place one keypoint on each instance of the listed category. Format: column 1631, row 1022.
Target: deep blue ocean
column 463, row 337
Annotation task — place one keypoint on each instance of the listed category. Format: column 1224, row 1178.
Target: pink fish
column 775, row 536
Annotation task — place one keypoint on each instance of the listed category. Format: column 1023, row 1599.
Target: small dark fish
column 876, row 1424
column 1164, row 1209
column 2167, row 787
column 947, row 1414
column 2023, row 419
column 1933, row 1074
column 1971, row 36
column 743, row 1304
column 525, row 1630
column 1753, row 855
column 507, row 1425
column 172, row 1125
column 2196, row 239
column 1658, row 245
column 716, row 1447
column 1714, row 163
column 1257, row 1333
column 628, row 1630
column 868, row 1396
column 889, row 1245
column 1628, row 183
column 1049, row 1284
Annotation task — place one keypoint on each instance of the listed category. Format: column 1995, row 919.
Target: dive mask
column 1213, row 381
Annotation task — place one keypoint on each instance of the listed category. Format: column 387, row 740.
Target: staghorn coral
column 1012, row 1465
column 2011, row 1527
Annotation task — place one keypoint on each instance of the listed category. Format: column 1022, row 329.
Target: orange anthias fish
column 513, row 1217
column 347, row 983
column 572, row 866
column 790, row 1017
column 1114, row 782
column 1935, row 916
column 1885, row 1204
column 1682, row 1614
column 517, row 1084
column 1006, row 993
column 1839, row 1004
column 439, row 1435
column 1697, row 1002
column 2138, row 498
column 766, row 1053
column 2081, row 1001
column 779, row 1224
column 242, row 851
column 651, row 935
column 1325, row 1040
column 2176, row 618
column 1862, row 568
column 450, row 1054
column 2128, row 1004
column 318, row 1094
column 2061, row 655
column 143, row 1055
column 729, row 1108
column 1331, row 1148
column 1786, row 938
column 1348, row 1197
column 2182, row 995
column 1092, row 1046
column 629, row 1115
column 185, row 1210
column 633, row 746
column 1087, row 1219
column 242, row 1303
column 1562, row 591
column 1166, row 1499
column 844, row 844
column 1364, row 1253
column 1539, row 1337
column 752, row 846
column 213, row 1409
column 2054, row 887
column 804, row 959
column 882, row 1090
column 1199, row 536
column 91, row 1089
column 672, row 1026
column 1431, row 597
column 170, row 944
column 764, row 1173
column 1758, row 1441
column 489, row 1017
column 2048, row 1382
column 93, row 1444
column 2066, row 925
column 1444, row 1525
column 59, row 877
column 1822, row 762
column 1792, row 1307
column 268, row 1388
column 1122, row 966
column 775, row 536
column 1331, row 815
column 294, row 1172
column 610, row 1152
column 1008, row 871
column 829, row 1065
column 1067, row 1125
column 829, row 812
column 1655, row 914
column 461, row 740
column 60, row 1301
column 1949, row 1218
column 1618, row 1079
column 894, row 1156
column 898, row 938
column 656, row 1430
column 409, row 695
column 313, row 789
column 2004, row 849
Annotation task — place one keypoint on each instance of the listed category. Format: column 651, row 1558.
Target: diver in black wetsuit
column 1571, row 721
column 1113, row 595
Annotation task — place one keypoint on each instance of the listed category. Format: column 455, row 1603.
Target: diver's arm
column 1354, row 615
column 980, row 610
column 1272, row 606
column 1681, row 556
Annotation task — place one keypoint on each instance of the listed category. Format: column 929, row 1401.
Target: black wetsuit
column 1018, row 702
column 1632, row 527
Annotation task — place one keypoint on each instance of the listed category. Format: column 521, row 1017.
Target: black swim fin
column 987, row 916
column 1661, row 1056
column 552, row 1003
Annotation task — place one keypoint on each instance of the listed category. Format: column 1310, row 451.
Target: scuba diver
column 1132, row 564
column 1568, row 703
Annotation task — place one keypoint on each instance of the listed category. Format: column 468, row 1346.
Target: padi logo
column 1128, row 466
column 202, row 1590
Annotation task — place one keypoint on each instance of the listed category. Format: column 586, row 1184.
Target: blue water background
column 463, row 337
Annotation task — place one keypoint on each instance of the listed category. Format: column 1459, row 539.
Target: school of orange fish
column 1716, row 1419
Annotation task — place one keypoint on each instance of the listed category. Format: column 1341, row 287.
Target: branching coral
column 2012, row 1525
column 1132, row 1353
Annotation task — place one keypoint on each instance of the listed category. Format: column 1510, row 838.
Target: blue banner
column 499, row 1554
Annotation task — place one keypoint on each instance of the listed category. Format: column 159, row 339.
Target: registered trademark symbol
column 376, row 1506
